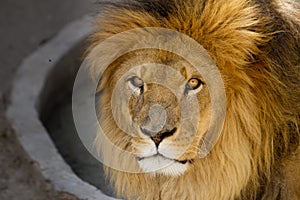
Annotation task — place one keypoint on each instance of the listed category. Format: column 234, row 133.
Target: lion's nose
column 158, row 137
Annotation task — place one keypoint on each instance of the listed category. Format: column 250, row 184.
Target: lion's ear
column 101, row 85
column 98, row 72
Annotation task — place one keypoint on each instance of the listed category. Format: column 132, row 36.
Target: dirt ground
column 24, row 26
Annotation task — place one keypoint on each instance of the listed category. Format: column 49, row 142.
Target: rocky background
column 24, row 26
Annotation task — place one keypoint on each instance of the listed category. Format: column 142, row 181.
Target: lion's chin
column 161, row 165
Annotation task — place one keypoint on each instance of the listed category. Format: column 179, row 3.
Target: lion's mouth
column 163, row 165
column 170, row 159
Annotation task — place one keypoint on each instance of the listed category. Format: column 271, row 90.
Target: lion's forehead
column 142, row 64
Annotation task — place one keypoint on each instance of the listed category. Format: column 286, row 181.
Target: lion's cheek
column 178, row 151
column 143, row 147
column 171, row 149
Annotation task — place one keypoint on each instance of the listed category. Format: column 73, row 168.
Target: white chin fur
column 161, row 165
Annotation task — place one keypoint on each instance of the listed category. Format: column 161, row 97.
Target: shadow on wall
column 56, row 114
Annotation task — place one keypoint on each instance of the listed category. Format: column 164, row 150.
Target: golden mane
column 257, row 50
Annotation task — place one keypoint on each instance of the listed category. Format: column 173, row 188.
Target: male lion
column 255, row 45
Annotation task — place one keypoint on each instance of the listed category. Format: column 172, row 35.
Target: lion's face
column 165, row 107
column 152, row 111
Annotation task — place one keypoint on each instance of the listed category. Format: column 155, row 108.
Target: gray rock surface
column 25, row 25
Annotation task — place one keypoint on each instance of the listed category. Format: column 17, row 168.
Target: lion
column 255, row 45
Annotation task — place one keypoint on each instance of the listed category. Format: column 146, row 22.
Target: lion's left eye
column 193, row 86
column 136, row 84
column 194, row 83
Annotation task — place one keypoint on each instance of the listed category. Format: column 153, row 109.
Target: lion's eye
column 194, row 83
column 136, row 84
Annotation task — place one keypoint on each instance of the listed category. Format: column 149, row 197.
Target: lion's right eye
column 136, row 84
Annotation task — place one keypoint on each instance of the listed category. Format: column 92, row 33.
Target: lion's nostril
column 158, row 137
column 147, row 132
column 169, row 133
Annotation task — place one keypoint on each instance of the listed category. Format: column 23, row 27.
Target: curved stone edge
column 24, row 117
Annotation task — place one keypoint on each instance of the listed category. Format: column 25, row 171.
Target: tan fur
column 256, row 47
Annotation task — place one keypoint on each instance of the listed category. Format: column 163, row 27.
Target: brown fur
column 256, row 46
